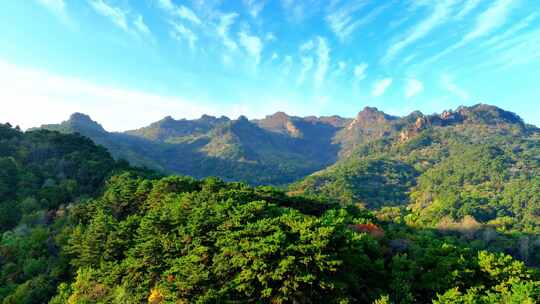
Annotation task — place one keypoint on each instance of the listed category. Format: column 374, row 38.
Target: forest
column 80, row 227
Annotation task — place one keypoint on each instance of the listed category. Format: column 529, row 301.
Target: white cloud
column 307, row 46
column 188, row 14
column 57, row 7
column 360, row 71
column 180, row 32
column 254, row 7
column 53, row 98
column 439, row 16
column 358, row 22
column 323, row 60
column 468, row 6
column 519, row 50
column 342, row 65
column 131, row 23
column 488, row 21
column 287, row 64
column 298, row 11
column 491, row 19
column 252, row 44
column 225, row 23
column 117, row 15
column 270, row 37
column 141, row 26
column 413, row 87
column 380, row 87
column 342, row 21
column 447, row 83
column 179, row 10
column 511, row 32
column 307, row 65
column 166, row 5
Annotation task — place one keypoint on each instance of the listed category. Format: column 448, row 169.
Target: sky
column 128, row 63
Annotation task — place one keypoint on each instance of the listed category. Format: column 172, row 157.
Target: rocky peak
column 279, row 115
column 484, row 113
column 242, row 119
column 80, row 117
column 280, row 122
column 207, row 117
column 370, row 116
column 80, row 121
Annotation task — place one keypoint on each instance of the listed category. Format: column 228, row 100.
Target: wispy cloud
column 252, row 44
column 117, row 15
column 57, row 7
column 180, row 33
column 488, row 21
column 360, row 71
column 439, row 15
column 468, row 7
column 413, row 87
column 270, row 37
column 254, row 7
column 131, row 23
column 491, row 19
column 373, row 14
column 519, row 50
column 167, row 5
column 307, row 65
column 342, row 21
column 181, row 11
column 511, row 32
column 287, row 65
column 141, row 26
column 222, row 29
column 380, row 87
column 448, row 84
column 59, row 96
column 188, row 14
column 342, row 65
column 298, row 11
column 323, row 60
column 307, row 46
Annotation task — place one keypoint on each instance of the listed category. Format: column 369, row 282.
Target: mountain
column 479, row 162
column 280, row 149
column 79, row 227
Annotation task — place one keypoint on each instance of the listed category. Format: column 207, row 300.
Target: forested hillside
column 276, row 150
column 476, row 169
column 87, row 229
column 42, row 174
column 443, row 208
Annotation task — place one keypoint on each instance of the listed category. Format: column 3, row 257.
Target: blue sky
column 130, row 62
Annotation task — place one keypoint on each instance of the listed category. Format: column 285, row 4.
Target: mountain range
column 479, row 161
column 277, row 149
column 376, row 209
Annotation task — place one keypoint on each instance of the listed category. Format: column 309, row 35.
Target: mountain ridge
column 283, row 148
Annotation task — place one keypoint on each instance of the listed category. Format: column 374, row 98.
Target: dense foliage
column 41, row 173
column 454, row 201
column 177, row 240
column 476, row 172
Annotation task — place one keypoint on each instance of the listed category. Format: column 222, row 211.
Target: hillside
column 79, row 227
column 281, row 149
column 476, row 161
column 278, row 149
column 42, row 174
